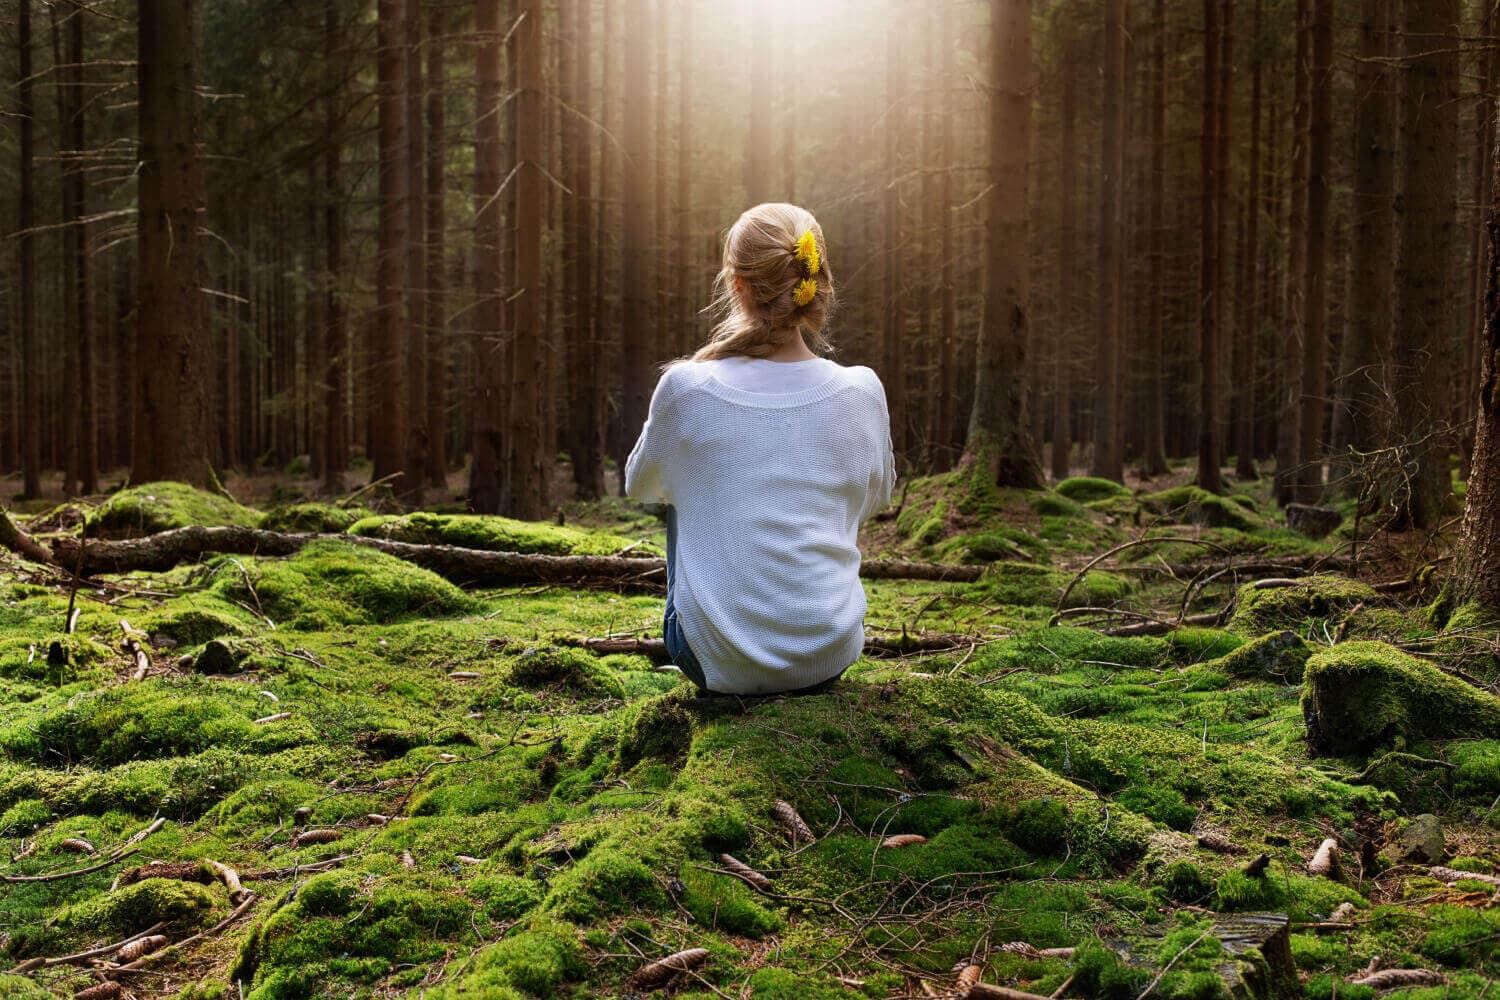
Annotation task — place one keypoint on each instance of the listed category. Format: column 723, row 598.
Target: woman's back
column 771, row 467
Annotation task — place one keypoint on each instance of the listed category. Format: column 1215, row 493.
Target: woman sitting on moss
column 769, row 457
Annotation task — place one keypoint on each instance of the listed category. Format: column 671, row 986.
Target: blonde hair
column 757, row 290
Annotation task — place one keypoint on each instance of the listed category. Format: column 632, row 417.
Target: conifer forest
column 332, row 652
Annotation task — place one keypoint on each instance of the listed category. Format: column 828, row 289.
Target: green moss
column 535, row 961
column 152, row 507
column 1281, row 656
column 1020, row 583
column 21, row 988
column 24, row 818
column 604, row 883
column 727, row 904
column 1299, row 896
column 1361, row 695
column 1165, row 805
column 1084, row 489
column 313, row 517
column 136, row 907
column 1315, row 598
column 571, row 671
column 1054, row 648
column 331, row 583
column 1461, row 936
column 56, row 659
column 1099, row 973
column 1039, row 825
column 506, row 897
column 1049, row 504
column 496, row 534
column 1195, row 645
column 1195, row 505
column 784, row 984
column 658, row 729
column 194, row 621
column 994, row 545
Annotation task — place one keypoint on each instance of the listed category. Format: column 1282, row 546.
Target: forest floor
column 356, row 778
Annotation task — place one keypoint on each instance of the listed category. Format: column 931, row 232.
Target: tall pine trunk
column 1359, row 406
column 1210, row 288
column 31, row 401
column 999, row 429
column 1291, row 361
column 437, row 252
column 1108, row 462
column 171, row 436
column 637, row 242
column 334, row 458
column 892, row 254
column 1153, row 429
column 1423, row 353
column 1309, row 478
column 1062, row 341
column 1247, row 342
column 389, row 415
column 528, row 474
column 413, row 163
column 486, row 407
column 582, row 429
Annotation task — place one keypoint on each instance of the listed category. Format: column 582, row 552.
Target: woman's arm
column 645, row 470
column 883, row 474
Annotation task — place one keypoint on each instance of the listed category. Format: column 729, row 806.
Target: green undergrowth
column 499, row 534
column 560, row 817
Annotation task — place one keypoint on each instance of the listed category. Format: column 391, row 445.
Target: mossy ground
column 559, row 816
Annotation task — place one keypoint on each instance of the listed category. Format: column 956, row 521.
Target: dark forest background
column 450, row 243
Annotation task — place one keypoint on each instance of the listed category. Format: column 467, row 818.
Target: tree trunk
column 1209, row 287
column 171, row 418
column 1153, row 437
column 947, row 377
column 637, row 242
column 437, row 252
column 1309, row 487
column 1289, row 424
column 334, row 457
column 413, row 163
column 1359, row 408
column 584, row 441
column 31, row 408
column 1478, row 569
column 389, row 416
column 1062, row 341
column 1247, row 341
column 1108, row 462
column 999, row 428
column 1423, row 356
column 487, row 404
column 528, row 474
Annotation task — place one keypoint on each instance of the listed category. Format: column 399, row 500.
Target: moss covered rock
column 134, row 908
column 1195, row 505
column 1084, row 489
column 566, row 670
column 1316, row 598
column 153, row 507
column 330, row 583
column 496, row 534
column 1362, row 695
column 1276, row 655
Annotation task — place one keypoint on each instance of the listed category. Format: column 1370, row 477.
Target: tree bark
column 1289, row 424
column 1309, row 488
column 1108, row 462
column 528, row 474
column 390, row 415
column 1063, row 337
column 1359, row 407
column 437, row 251
column 1423, row 356
column 413, row 166
column 999, row 428
column 1247, row 341
column 487, row 404
column 638, row 241
column 947, row 324
column 334, row 459
column 171, row 435
column 1210, row 289
column 1478, row 569
column 1153, row 437
column 31, row 425
column 892, row 252
column 583, row 428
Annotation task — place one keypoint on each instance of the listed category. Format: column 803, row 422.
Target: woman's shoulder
column 863, row 377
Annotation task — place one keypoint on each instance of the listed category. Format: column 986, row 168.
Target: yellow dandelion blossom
column 806, row 289
column 807, row 252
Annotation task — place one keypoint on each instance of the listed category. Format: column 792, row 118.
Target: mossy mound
column 1362, row 695
column 1195, row 505
column 1279, row 656
column 194, row 620
column 993, row 546
column 1085, row 489
column 55, row 659
column 330, row 583
column 568, row 671
column 1194, row 645
column 153, row 507
column 314, row 517
column 136, row 907
column 1316, row 598
column 496, row 534
column 1021, row 583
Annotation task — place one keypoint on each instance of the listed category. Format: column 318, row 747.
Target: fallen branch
column 471, row 567
column 661, row 971
column 83, row 956
column 19, row 542
column 238, row 912
column 1389, row 979
column 1158, row 627
column 1325, row 861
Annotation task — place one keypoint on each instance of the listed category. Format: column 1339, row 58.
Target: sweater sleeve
column 883, row 473
column 645, row 470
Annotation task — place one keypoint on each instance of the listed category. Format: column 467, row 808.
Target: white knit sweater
column 770, row 490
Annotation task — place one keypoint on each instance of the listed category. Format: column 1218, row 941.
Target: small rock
column 1420, row 839
column 1314, row 522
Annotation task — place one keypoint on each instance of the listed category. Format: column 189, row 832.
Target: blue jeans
column 671, row 629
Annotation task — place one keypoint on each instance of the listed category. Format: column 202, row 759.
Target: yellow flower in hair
column 805, row 291
column 807, row 252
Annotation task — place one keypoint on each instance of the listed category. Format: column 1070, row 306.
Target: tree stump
column 1314, row 522
column 1257, row 960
